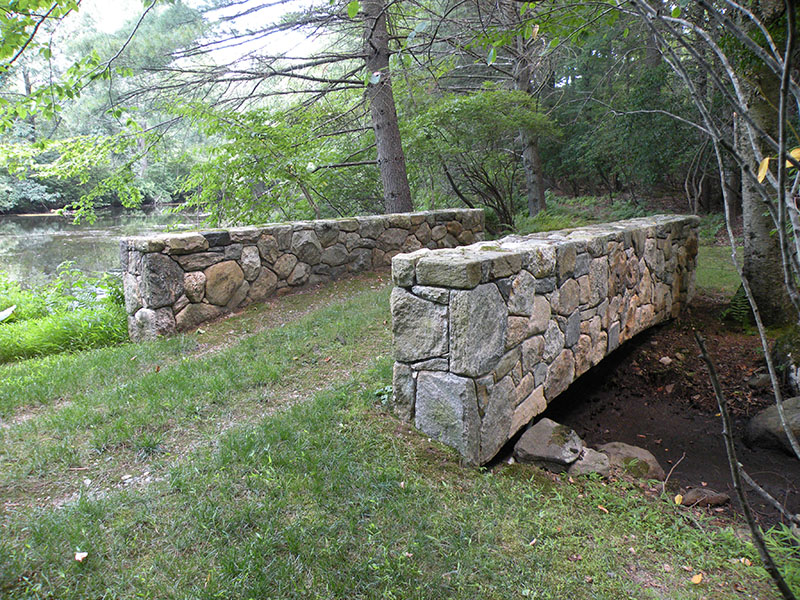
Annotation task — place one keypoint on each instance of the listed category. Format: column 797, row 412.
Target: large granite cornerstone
column 487, row 334
column 175, row 282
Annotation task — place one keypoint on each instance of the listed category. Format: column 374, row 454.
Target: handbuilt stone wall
column 175, row 282
column 486, row 335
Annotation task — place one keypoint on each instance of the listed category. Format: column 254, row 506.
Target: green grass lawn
column 256, row 459
column 715, row 270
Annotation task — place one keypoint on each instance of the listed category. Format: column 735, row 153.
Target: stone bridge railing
column 175, row 282
column 486, row 335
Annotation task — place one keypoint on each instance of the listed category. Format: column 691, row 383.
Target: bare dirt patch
column 655, row 392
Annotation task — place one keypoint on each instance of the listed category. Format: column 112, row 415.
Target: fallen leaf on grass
column 746, row 561
column 574, row 557
column 667, row 568
column 697, row 579
column 678, row 499
column 81, row 556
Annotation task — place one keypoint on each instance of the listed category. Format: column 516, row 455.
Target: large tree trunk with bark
column 762, row 256
column 531, row 158
column 534, row 174
column 391, row 160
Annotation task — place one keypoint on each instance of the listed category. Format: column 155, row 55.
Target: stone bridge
column 487, row 334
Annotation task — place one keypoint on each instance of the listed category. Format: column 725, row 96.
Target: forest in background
column 261, row 111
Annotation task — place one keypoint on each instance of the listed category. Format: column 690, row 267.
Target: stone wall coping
column 187, row 242
column 466, row 267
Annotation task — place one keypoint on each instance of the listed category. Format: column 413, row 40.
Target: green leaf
column 676, row 12
column 490, row 60
column 352, row 8
column 528, row 32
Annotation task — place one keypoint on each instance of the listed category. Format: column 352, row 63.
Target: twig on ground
column 666, row 479
column 768, row 497
column 736, row 475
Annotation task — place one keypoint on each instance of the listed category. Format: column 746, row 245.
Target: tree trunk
column 762, row 257
column 391, row 160
column 31, row 119
column 531, row 159
column 534, row 174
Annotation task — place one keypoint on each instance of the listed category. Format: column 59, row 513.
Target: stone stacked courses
column 486, row 335
column 176, row 282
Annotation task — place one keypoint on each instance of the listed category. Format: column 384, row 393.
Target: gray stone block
column 404, row 392
column 162, row 281
column 420, row 327
column 478, row 322
column 447, row 410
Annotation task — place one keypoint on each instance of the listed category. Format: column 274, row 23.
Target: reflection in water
column 32, row 246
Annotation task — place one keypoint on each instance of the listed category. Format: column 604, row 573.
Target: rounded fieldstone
column 766, row 431
column 335, row 255
column 194, row 285
column 251, row 262
column 284, row 265
column 264, row 285
column 549, row 445
column 591, row 461
column 222, row 281
column 306, row 246
column 162, row 280
column 299, row 274
column 196, row 314
column 268, row 248
column 148, row 324
column 634, row 460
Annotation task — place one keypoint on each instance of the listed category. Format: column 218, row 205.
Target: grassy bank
column 72, row 313
column 257, row 460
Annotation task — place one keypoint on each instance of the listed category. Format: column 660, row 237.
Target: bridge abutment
column 486, row 335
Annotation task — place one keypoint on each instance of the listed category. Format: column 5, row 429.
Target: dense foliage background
column 497, row 103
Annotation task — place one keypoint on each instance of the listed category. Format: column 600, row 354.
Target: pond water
column 32, row 246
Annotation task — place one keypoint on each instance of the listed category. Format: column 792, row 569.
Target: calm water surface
column 32, row 246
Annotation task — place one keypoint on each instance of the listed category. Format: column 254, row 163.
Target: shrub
column 73, row 312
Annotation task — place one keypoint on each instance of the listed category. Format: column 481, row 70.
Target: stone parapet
column 487, row 334
column 175, row 282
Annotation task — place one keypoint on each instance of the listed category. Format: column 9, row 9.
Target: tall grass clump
column 73, row 312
